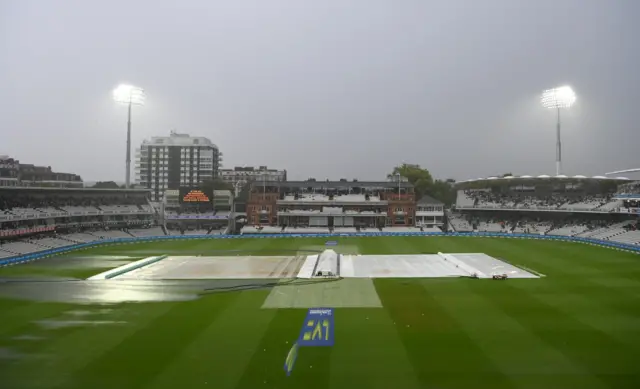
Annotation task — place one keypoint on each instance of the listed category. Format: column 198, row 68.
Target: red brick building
column 331, row 204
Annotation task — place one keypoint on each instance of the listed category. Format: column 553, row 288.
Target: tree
column 424, row 184
column 443, row 191
column 413, row 173
column 420, row 178
column 216, row 184
column 243, row 195
column 105, row 185
column 507, row 174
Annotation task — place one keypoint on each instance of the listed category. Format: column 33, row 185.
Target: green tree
column 105, row 185
column 216, row 184
column 424, row 184
column 443, row 191
column 418, row 177
column 243, row 195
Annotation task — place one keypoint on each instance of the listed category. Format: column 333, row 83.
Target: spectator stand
column 34, row 212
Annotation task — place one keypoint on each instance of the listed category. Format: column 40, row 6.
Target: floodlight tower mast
column 130, row 95
column 562, row 97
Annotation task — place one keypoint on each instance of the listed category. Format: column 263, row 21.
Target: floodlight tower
column 130, row 95
column 556, row 98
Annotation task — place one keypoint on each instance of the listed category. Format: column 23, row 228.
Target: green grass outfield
column 578, row 327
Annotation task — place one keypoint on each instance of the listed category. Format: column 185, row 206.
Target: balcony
column 317, row 212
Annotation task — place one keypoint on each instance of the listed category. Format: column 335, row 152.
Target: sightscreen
column 194, row 196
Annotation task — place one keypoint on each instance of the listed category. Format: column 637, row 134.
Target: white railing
column 329, row 213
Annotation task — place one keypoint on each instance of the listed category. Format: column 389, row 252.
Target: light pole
column 556, row 98
column 130, row 95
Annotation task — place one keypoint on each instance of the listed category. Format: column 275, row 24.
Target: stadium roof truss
column 521, row 180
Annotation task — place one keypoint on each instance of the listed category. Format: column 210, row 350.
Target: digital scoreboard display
column 194, row 195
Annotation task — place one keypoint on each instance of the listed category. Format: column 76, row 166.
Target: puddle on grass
column 105, row 264
column 95, row 292
column 28, row 337
column 125, row 291
column 97, row 262
column 79, row 313
column 89, row 263
column 88, row 313
column 56, row 324
column 7, row 353
column 108, row 257
column 35, row 278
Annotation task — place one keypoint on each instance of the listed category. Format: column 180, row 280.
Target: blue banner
column 317, row 329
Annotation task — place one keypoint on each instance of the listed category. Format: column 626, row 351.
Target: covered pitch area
column 328, row 262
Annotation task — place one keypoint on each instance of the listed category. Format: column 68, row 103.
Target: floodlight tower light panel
column 129, row 94
column 562, row 97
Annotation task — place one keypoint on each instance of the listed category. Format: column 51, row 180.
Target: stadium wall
column 81, row 246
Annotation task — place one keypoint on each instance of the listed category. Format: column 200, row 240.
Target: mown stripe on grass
column 598, row 352
column 565, row 258
column 368, row 352
column 512, row 347
column 571, row 275
column 64, row 351
column 18, row 314
column 217, row 358
column 265, row 370
column 437, row 345
column 140, row 357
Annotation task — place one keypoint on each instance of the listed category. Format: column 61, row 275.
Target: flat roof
column 333, row 184
column 541, row 178
column 176, row 139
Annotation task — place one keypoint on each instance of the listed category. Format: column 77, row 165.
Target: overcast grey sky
column 324, row 88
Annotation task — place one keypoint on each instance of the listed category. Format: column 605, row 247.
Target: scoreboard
column 194, row 195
